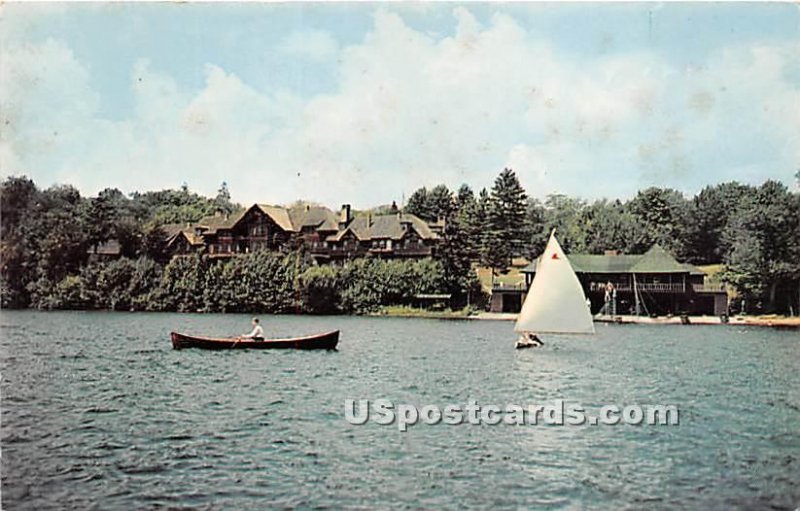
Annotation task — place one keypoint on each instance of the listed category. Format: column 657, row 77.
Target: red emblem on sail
column 555, row 256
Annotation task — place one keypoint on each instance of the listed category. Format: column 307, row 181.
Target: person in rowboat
column 257, row 334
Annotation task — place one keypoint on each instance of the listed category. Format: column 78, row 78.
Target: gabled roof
column 289, row 220
column 655, row 260
column 172, row 229
column 318, row 217
column 367, row 227
column 189, row 234
column 364, row 227
column 213, row 223
column 341, row 234
column 279, row 215
column 592, row 263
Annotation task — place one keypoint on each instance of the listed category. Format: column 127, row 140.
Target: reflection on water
column 98, row 410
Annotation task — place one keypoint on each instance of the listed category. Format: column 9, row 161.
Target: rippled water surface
column 99, row 412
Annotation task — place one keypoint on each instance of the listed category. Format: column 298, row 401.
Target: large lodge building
column 327, row 237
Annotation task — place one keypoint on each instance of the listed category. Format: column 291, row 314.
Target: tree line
column 45, row 236
column 261, row 282
column 754, row 231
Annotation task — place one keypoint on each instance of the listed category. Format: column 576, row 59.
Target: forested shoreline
column 47, row 236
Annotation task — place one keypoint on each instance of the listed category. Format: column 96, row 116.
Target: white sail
column 555, row 301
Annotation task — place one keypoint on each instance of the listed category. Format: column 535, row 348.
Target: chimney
column 393, row 208
column 344, row 216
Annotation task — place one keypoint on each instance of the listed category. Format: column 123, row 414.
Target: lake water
column 99, row 412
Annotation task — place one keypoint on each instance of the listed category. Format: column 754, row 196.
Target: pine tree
column 455, row 252
column 470, row 218
column 418, row 204
column 222, row 202
column 506, row 213
column 440, row 203
column 482, row 224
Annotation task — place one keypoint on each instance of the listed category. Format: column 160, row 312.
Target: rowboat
column 324, row 341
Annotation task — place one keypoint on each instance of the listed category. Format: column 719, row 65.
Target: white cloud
column 411, row 110
column 46, row 105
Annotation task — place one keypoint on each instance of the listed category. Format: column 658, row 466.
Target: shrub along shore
column 260, row 282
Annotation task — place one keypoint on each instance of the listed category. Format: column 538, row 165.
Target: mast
column 640, row 303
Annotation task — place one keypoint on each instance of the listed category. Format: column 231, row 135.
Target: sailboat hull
column 528, row 342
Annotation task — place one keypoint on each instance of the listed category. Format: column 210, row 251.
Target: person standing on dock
column 257, row 334
column 606, row 310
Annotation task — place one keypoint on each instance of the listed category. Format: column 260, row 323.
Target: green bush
column 182, row 284
column 320, row 289
column 261, row 282
column 258, row 282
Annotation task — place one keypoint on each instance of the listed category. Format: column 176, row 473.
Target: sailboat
column 555, row 302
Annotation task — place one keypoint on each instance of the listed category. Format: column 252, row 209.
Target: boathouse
column 653, row 283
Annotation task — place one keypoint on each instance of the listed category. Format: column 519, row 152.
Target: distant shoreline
column 762, row 321
column 773, row 321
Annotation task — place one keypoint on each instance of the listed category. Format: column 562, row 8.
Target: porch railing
column 646, row 287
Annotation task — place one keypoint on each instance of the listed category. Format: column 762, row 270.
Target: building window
column 258, row 230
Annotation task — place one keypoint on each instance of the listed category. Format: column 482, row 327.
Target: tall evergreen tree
column 456, row 251
column 455, row 257
column 222, row 202
column 507, row 206
column 464, row 196
column 440, row 203
column 418, row 204
column 471, row 221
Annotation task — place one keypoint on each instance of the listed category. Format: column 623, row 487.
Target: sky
column 363, row 103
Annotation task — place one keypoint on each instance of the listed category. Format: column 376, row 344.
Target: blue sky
column 362, row 103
